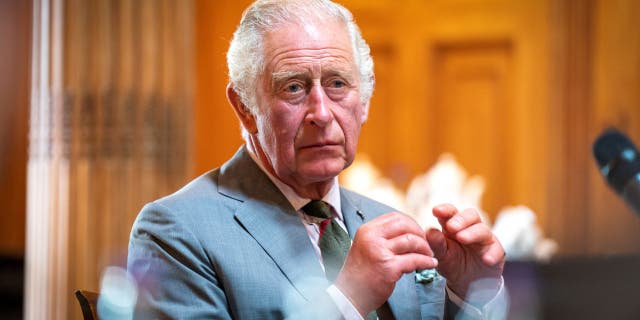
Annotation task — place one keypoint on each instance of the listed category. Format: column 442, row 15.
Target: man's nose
column 319, row 106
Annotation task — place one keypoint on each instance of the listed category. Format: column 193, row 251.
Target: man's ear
column 365, row 105
column 243, row 113
column 365, row 112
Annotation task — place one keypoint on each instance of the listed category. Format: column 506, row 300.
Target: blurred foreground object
column 118, row 294
column 520, row 235
column 363, row 177
column 448, row 182
column 445, row 182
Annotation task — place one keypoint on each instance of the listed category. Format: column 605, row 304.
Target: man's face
column 309, row 109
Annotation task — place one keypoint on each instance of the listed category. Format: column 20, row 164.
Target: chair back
column 88, row 304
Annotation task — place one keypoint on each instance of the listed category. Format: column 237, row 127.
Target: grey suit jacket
column 230, row 246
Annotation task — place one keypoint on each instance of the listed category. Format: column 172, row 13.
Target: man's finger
column 462, row 220
column 444, row 211
column 478, row 233
column 409, row 243
column 410, row 262
column 494, row 255
column 437, row 243
column 394, row 224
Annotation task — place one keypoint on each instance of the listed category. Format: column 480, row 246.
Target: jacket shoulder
column 365, row 203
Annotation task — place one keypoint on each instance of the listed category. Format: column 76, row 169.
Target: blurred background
column 108, row 104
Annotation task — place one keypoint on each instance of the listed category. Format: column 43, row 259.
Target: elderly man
column 270, row 234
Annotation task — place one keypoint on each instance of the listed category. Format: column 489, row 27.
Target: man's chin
column 321, row 172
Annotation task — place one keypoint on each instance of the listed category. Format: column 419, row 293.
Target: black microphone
column 619, row 163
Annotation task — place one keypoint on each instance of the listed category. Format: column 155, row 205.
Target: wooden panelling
column 568, row 114
column 375, row 143
column 613, row 227
column 454, row 58
column 471, row 107
column 217, row 131
column 15, row 19
column 110, row 131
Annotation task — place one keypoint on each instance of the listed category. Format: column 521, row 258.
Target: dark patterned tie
column 334, row 241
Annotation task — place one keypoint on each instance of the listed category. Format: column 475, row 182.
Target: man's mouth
column 320, row 145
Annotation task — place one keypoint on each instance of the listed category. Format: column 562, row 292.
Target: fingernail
column 435, row 261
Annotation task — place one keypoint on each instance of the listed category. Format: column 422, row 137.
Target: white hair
column 245, row 57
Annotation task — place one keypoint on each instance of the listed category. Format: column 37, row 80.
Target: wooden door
column 464, row 77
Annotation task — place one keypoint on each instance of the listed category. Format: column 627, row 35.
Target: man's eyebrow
column 280, row 76
column 338, row 72
column 284, row 75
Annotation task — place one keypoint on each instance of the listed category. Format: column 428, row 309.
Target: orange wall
column 217, row 132
column 15, row 18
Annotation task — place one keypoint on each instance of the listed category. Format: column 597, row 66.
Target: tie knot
column 318, row 209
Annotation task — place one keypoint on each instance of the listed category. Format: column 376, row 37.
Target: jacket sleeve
column 174, row 275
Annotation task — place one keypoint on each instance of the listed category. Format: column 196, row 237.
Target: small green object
column 426, row 275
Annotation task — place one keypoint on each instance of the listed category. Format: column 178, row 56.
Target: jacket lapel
column 353, row 217
column 266, row 214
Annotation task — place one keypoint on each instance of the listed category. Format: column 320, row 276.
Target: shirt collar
column 297, row 202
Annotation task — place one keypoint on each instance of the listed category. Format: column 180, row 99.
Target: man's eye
column 294, row 87
column 337, row 84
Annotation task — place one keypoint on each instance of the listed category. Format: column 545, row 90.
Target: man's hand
column 466, row 249
column 382, row 251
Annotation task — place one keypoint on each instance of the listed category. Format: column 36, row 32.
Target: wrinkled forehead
column 313, row 38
